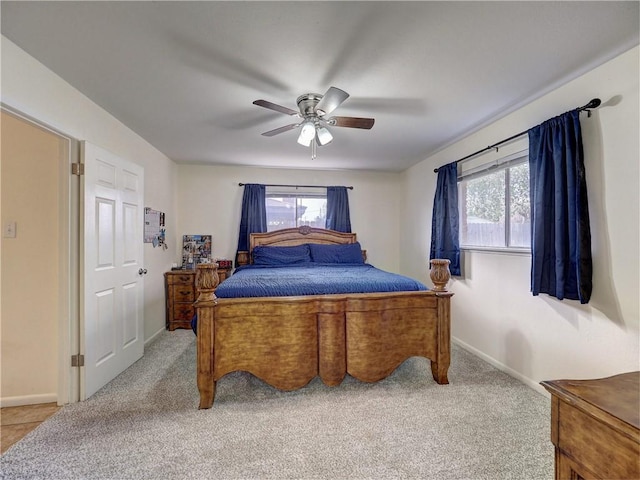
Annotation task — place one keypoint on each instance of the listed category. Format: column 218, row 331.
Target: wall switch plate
column 9, row 230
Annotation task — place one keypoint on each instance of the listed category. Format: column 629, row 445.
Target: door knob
column 142, row 271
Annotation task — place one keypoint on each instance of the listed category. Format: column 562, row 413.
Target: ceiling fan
column 314, row 110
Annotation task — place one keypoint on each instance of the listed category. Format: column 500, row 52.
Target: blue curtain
column 560, row 232
column 338, row 217
column 445, row 241
column 254, row 213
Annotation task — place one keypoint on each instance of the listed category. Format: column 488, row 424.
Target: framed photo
column 195, row 249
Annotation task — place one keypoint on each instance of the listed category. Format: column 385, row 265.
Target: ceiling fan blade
column 351, row 122
column 277, row 108
column 331, row 100
column 276, row 131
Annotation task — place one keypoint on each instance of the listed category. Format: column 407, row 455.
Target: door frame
column 69, row 263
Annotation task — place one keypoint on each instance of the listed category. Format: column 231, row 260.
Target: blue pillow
column 281, row 255
column 347, row 253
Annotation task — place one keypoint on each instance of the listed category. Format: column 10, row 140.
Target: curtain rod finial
column 595, row 103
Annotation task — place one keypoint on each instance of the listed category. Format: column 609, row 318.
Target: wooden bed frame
column 287, row 341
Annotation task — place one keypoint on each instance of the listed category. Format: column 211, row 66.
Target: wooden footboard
column 384, row 330
column 287, row 341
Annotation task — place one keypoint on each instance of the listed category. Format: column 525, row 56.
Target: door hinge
column 77, row 360
column 77, row 169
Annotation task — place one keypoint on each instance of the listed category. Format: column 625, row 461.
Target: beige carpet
column 145, row 425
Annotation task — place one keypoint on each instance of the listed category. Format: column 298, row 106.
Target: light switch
column 9, row 230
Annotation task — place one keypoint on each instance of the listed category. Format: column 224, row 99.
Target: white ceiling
column 183, row 75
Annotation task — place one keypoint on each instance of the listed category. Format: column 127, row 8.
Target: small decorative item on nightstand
column 224, row 263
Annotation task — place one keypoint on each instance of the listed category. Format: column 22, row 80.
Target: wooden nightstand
column 595, row 427
column 180, row 293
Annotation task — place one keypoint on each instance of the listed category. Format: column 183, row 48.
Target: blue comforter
column 312, row 279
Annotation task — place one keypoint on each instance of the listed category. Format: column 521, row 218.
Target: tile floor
column 16, row 422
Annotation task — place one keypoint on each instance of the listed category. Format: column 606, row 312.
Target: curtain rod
column 595, row 103
column 296, row 186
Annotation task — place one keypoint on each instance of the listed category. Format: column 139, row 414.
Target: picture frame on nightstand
column 195, row 249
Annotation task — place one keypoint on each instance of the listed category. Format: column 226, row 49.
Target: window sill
column 498, row 250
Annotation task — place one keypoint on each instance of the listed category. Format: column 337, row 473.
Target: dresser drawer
column 183, row 293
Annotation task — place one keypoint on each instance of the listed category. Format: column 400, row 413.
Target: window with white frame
column 290, row 208
column 494, row 205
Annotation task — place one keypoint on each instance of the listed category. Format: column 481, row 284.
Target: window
column 494, row 205
column 289, row 210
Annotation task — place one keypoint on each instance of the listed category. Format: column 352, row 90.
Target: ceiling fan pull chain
column 313, row 150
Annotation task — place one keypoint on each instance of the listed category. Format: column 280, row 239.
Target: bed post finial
column 440, row 274
column 206, row 281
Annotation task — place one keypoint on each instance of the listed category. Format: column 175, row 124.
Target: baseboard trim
column 502, row 367
column 153, row 337
column 22, row 400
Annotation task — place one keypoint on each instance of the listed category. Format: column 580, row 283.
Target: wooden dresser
column 180, row 293
column 595, row 427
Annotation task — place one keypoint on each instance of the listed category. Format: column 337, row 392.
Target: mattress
column 312, row 279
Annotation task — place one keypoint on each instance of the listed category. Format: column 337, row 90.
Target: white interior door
column 112, row 312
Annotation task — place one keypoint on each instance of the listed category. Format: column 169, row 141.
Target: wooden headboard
column 299, row 236
column 295, row 236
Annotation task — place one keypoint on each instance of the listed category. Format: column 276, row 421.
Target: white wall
column 32, row 89
column 493, row 313
column 209, row 201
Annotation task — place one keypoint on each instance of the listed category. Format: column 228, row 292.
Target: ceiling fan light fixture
column 307, row 134
column 324, row 135
column 313, row 108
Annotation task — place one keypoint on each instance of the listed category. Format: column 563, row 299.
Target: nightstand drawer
column 183, row 312
column 180, row 278
column 183, row 293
